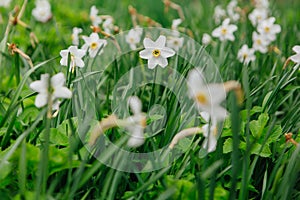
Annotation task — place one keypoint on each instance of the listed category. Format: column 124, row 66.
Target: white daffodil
column 156, row 52
column 136, row 123
column 257, row 15
column 56, row 89
column 261, row 4
column 5, row 3
column 246, row 54
column 269, row 29
column 133, row 37
column 175, row 42
column 259, row 43
column 176, row 23
column 209, row 132
column 207, row 96
column 42, row 11
column 96, row 20
column 93, row 44
column 108, row 25
column 75, row 36
column 296, row 58
column 232, row 10
column 225, row 31
column 75, row 57
column 219, row 14
column 206, row 39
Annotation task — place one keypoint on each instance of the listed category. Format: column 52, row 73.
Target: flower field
column 161, row 99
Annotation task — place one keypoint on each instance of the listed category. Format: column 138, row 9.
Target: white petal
column 205, row 116
column 41, row 100
column 152, row 62
column 160, row 42
column 163, row 62
column 79, row 62
column 296, row 48
column 135, row 104
column 137, row 137
column 64, row 53
column 217, row 93
column 41, row 86
column 167, row 52
column 62, row 92
column 58, row 80
column 146, row 54
column 218, row 112
column 148, row 43
column 295, row 58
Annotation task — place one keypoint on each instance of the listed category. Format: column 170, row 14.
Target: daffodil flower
column 156, row 52
column 54, row 87
column 133, row 37
column 269, row 29
column 76, row 57
column 206, row 39
column 246, row 54
column 259, row 42
column 42, row 11
column 136, row 123
column 93, row 43
column 219, row 14
column 75, row 35
column 257, row 15
column 296, row 58
column 207, row 96
column 175, row 42
column 232, row 10
column 108, row 25
column 96, row 20
column 225, row 31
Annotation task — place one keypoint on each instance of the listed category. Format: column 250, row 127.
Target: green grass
column 42, row 158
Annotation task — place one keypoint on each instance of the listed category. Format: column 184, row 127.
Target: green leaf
column 275, row 134
column 257, row 126
column 56, row 137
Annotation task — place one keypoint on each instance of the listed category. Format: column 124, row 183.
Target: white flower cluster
column 262, row 37
column 42, row 11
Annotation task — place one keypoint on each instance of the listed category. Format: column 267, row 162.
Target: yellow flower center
column 223, row 31
column 201, row 98
column 94, row 45
column 258, row 42
column 156, row 52
column 245, row 56
column 267, row 29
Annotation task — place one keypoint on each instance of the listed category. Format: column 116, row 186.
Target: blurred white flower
column 246, row 54
column 42, row 11
column 209, row 132
column 108, row 25
column 206, row 39
column 225, row 31
column 259, row 42
column 261, row 4
column 136, row 123
column 232, row 10
column 156, row 52
column 176, row 23
column 93, row 44
column 219, row 14
column 75, row 35
column 56, row 89
column 133, row 37
column 269, row 29
column 296, row 58
column 257, row 15
column 75, row 57
column 175, row 42
column 96, row 20
column 207, row 96
column 5, row 3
